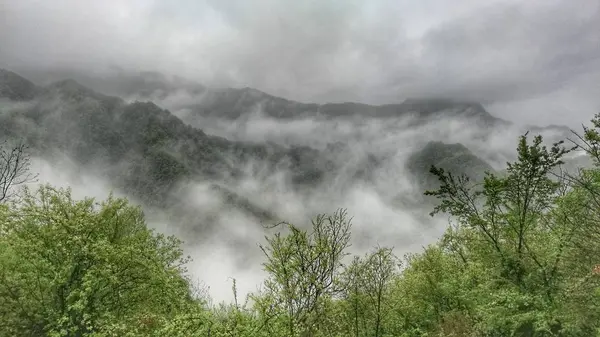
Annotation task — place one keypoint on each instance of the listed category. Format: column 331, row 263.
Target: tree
column 304, row 269
column 367, row 283
column 517, row 230
column 14, row 169
column 74, row 268
column 379, row 270
column 354, row 297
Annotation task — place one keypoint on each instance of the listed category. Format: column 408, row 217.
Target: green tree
column 432, row 295
column 518, row 230
column 304, row 268
column 367, row 282
column 74, row 268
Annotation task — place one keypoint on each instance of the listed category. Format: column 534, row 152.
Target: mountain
column 453, row 158
column 145, row 150
column 152, row 155
column 144, row 85
column 234, row 103
column 15, row 87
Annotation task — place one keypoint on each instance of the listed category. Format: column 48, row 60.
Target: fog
column 384, row 208
column 533, row 61
column 529, row 62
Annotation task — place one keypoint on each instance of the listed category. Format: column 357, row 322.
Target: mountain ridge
column 16, row 87
column 233, row 103
column 156, row 86
column 150, row 152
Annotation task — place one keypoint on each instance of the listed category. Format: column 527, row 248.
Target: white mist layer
column 229, row 250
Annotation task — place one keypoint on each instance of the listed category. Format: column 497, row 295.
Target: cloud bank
column 528, row 60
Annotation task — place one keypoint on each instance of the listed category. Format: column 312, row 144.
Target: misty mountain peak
column 442, row 149
column 432, row 105
column 453, row 157
column 69, row 86
column 73, row 90
column 15, row 87
column 440, row 103
column 255, row 93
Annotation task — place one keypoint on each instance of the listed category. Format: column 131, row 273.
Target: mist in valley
column 385, row 204
column 336, row 61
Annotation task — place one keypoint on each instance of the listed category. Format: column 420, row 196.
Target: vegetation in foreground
column 520, row 258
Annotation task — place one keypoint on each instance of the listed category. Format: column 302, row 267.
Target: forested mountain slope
column 146, row 150
column 149, row 153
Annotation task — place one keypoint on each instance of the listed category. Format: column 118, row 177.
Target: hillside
column 150, row 154
column 453, row 158
column 15, row 87
column 146, row 151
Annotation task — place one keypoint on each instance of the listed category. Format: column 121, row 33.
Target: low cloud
column 499, row 52
column 227, row 247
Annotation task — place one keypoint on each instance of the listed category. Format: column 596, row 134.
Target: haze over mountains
column 213, row 165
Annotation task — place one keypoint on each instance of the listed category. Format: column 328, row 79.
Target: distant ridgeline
column 454, row 158
column 147, row 151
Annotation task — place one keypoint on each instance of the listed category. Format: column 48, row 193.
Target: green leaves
column 304, row 268
column 366, row 299
column 518, row 235
column 83, row 266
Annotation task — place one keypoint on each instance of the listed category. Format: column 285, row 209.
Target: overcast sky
column 535, row 60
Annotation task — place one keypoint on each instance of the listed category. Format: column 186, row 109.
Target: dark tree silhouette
column 14, row 169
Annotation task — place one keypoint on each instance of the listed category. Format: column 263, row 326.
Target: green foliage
column 367, row 300
column 71, row 268
column 304, row 268
column 516, row 233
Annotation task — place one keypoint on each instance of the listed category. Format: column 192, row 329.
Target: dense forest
column 519, row 258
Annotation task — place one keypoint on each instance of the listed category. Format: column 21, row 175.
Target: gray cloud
column 512, row 55
column 535, row 61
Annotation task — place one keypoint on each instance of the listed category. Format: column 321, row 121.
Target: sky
column 535, row 61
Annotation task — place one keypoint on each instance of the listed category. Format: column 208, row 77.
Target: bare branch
column 14, row 169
